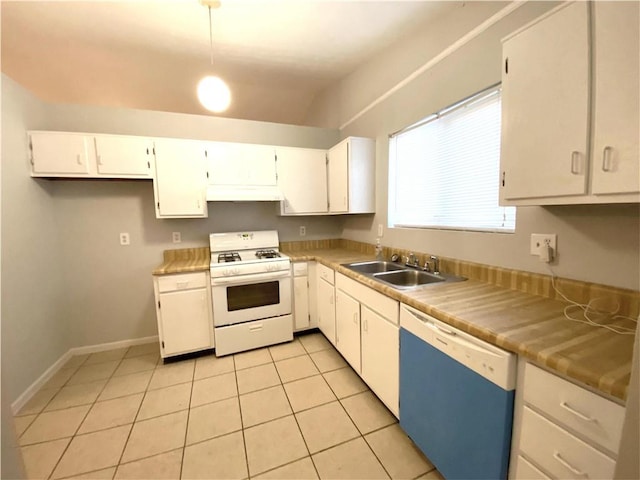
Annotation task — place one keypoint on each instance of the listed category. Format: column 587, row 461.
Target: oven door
column 244, row 298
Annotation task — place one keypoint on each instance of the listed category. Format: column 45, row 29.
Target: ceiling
column 276, row 55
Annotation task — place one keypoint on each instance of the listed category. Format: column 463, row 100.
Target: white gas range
column 251, row 291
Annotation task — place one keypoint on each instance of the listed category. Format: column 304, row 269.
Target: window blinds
column 444, row 171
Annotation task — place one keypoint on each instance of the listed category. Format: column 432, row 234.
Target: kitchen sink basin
column 408, row 278
column 399, row 276
column 377, row 266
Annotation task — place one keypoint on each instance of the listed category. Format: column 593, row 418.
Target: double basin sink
column 399, row 276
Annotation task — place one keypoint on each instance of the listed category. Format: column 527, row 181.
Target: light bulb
column 214, row 94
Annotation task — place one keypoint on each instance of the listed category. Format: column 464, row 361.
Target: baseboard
column 53, row 369
column 102, row 347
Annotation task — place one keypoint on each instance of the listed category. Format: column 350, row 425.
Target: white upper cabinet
column 123, row 156
column 616, row 158
column 351, row 176
column 302, row 179
column 241, row 164
column 63, row 154
column 545, row 101
column 570, row 107
column 181, row 178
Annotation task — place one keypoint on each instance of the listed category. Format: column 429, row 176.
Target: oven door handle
column 247, row 279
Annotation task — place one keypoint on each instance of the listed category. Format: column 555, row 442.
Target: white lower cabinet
column 563, row 430
column 380, row 359
column 301, row 316
column 348, row 328
column 183, row 310
column 326, row 309
column 368, row 337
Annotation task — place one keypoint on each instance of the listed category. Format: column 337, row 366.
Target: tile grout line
column 186, row 429
column 86, row 414
column 295, row 418
column 244, row 439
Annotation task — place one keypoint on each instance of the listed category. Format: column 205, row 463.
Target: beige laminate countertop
column 183, row 261
column 530, row 325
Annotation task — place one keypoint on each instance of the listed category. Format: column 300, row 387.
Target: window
column 444, row 171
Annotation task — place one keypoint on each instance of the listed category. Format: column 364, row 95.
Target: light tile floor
column 291, row 411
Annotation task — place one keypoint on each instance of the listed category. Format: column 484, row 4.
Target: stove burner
column 267, row 254
column 229, row 257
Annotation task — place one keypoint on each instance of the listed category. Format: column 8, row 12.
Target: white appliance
column 250, row 291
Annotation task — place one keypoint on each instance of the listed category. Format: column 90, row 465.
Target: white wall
column 599, row 244
column 111, row 285
column 34, row 326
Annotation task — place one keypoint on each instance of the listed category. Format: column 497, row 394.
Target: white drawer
column 560, row 453
column 299, row 269
column 527, row 471
column 598, row 419
column 326, row 273
column 183, row 281
column 378, row 302
column 249, row 335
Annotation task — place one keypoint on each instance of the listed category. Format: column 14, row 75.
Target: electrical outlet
column 380, row 230
column 124, row 239
column 177, row 237
column 303, row 231
column 539, row 240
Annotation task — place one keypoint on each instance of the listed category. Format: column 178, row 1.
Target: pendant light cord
column 210, row 37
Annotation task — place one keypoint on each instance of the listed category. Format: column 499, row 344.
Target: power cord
column 588, row 311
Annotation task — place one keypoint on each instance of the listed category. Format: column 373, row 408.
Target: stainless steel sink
column 408, row 278
column 399, row 276
column 374, row 267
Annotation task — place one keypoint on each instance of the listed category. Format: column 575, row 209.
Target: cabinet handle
column 365, row 325
column 331, row 300
column 567, row 465
column 355, row 317
column 79, row 159
column 578, row 414
column 99, row 158
column 182, row 284
column 198, row 204
column 606, row 158
column 575, row 165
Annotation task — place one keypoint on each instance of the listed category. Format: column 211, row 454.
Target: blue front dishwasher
column 456, row 397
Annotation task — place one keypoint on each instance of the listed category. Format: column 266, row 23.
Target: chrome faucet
column 412, row 261
column 436, row 264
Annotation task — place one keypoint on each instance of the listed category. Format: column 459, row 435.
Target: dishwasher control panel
column 493, row 363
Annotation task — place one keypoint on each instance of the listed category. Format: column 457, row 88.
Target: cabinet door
column 348, row 328
column 180, row 181
column 241, row 164
column 545, row 107
column 300, row 303
column 124, row 156
column 185, row 321
column 61, row 153
column 381, row 357
column 338, row 175
column 616, row 168
column 302, row 178
column 327, row 310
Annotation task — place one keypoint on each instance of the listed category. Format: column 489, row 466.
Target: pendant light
column 213, row 92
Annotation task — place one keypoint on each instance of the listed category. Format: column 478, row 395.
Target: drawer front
column 326, row 273
column 249, row 335
column 560, row 453
column 379, row 303
column 183, row 281
column 598, row 419
column 527, row 471
column 300, row 269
